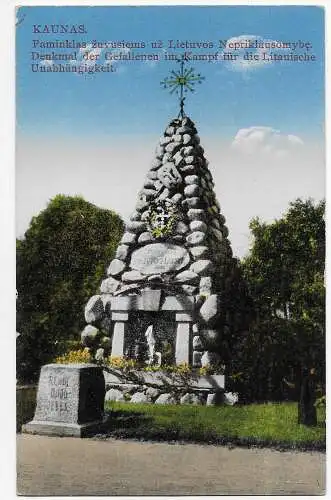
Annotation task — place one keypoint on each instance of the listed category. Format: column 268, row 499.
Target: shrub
column 79, row 356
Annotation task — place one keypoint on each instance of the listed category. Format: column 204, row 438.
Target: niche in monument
column 164, row 333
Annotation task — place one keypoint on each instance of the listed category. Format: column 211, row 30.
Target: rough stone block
column 159, row 151
column 218, row 234
column 199, row 251
column 135, row 216
column 165, row 399
column 178, row 238
column 201, row 266
column 196, row 214
column 140, row 397
column 141, row 204
column 148, row 184
column 206, row 285
column 204, row 183
column 116, row 267
column 165, row 193
column 152, row 393
column 89, row 336
column 196, row 238
column 198, row 225
column 216, row 223
column 187, row 277
column 156, row 163
column 192, row 190
column 109, row 285
column 178, row 158
column 190, row 399
column 114, row 395
column 128, row 238
column 152, row 175
column 181, row 228
column 225, row 231
column 94, row 309
column 176, row 198
column 210, row 335
column 132, row 276
column 214, row 398
column 189, row 289
column 170, row 130
column 192, row 179
column 183, row 130
column 189, row 169
column 171, row 147
column 164, row 140
column 186, row 139
column 145, row 237
column 209, row 309
column 231, row 398
column 169, row 175
column 188, row 150
column 189, row 159
column 135, row 226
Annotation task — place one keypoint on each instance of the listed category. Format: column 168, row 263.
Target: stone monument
column 168, row 269
column 70, row 401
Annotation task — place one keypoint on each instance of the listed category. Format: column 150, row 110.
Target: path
column 71, row 466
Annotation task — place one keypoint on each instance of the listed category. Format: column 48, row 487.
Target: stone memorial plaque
column 70, row 400
column 158, row 258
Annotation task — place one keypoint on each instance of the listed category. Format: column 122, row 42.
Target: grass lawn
column 260, row 424
column 272, row 424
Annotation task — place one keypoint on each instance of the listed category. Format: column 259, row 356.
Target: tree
column 285, row 268
column 284, row 272
column 60, row 263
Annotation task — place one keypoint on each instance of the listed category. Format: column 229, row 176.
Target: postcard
column 170, row 198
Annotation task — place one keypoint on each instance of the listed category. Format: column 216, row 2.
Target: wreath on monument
column 162, row 218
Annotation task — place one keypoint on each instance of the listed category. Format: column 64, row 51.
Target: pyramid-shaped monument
column 169, row 266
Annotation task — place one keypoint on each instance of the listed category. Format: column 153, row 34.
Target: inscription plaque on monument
column 70, row 400
column 158, row 258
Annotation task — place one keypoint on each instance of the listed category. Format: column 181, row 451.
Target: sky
column 261, row 123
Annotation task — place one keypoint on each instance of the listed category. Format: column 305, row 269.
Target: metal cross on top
column 181, row 82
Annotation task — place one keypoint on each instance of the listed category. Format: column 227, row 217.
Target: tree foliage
column 284, row 272
column 60, row 264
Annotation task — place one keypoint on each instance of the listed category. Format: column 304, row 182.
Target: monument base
column 154, row 386
column 62, row 429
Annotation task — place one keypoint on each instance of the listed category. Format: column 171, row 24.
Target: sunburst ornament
column 181, row 82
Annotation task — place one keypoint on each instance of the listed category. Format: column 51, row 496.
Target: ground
column 71, row 466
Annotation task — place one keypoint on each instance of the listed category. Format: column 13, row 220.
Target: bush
column 79, row 356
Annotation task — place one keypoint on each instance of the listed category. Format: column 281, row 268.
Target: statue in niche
column 169, row 175
column 149, row 335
